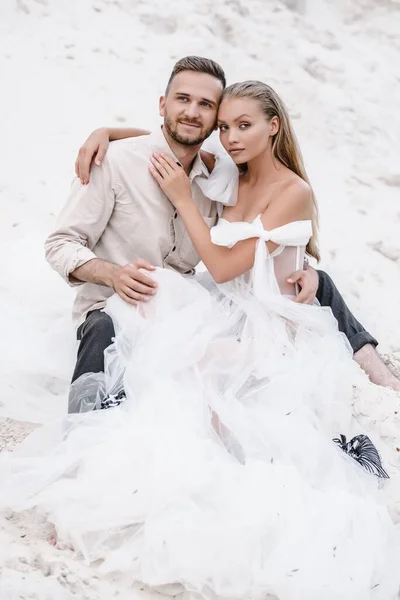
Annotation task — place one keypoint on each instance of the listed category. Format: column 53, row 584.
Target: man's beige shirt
column 122, row 214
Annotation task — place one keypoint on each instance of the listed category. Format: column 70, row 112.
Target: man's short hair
column 197, row 64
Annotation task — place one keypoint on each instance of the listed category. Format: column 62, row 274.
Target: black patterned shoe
column 364, row 452
column 112, row 400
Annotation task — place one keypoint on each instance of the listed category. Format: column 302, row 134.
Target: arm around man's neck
column 95, row 147
column 121, row 133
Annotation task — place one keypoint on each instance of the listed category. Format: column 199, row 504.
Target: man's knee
column 95, row 335
column 98, row 327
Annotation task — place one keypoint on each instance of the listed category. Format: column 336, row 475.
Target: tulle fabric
column 218, row 472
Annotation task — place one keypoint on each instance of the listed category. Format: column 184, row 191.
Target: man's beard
column 171, row 127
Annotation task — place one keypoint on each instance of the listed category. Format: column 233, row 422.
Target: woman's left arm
column 224, row 264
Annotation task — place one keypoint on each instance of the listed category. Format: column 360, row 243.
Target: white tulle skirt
column 218, row 472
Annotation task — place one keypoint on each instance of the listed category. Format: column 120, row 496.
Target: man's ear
column 162, row 106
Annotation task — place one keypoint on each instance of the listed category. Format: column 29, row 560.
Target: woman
column 218, row 471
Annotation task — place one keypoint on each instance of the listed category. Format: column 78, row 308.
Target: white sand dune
column 70, row 66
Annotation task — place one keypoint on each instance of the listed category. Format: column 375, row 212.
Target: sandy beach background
column 69, row 66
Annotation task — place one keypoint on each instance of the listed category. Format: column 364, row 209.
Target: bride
column 218, row 471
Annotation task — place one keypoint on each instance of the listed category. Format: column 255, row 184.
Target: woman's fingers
column 101, row 152
column 171, row 163
column 161, row 166
column 85, row 157
column 156, row 175
column 93, row 150
column 77, row 168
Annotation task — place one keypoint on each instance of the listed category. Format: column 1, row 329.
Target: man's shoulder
column 129, row 148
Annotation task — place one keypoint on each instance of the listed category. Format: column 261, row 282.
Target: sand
column 70, row 66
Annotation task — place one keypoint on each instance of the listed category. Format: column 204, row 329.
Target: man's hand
column 308, row 282
column 132, row 284
column 93, row 150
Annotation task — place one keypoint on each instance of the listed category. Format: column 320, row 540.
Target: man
column 114, row 231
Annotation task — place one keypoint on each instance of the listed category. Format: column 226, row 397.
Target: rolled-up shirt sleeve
column 81, row 223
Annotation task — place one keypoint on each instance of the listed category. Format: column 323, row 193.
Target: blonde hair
column 285, row 147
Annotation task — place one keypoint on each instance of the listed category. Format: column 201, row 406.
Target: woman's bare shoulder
column 295, row 184
column 293, row 196
column 295, row 189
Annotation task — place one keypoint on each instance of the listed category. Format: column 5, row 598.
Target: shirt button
column 175, row 215
column 173, row 249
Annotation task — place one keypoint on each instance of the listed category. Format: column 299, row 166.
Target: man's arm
column 96, row 270
column 82, row 221
column 80, row 224
column 129, row 281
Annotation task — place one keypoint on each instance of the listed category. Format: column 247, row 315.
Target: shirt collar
column 159, row 144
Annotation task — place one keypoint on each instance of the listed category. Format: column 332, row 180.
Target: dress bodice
column 271, row 269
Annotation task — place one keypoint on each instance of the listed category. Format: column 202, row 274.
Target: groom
column 114, row 231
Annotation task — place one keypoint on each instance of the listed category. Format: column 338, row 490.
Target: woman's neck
column 263, row 168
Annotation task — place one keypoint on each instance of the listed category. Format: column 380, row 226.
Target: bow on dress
column 228, row 233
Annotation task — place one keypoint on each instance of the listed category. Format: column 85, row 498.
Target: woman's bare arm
column 95, row 147
column 121, row 133
column 293, row 204
column 226, row 264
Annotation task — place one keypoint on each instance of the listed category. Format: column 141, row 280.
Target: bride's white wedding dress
column 219, row 471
